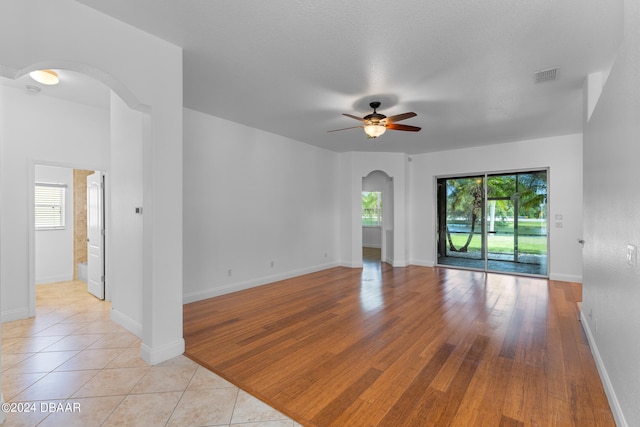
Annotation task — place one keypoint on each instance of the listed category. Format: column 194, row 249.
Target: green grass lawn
column 503, row 243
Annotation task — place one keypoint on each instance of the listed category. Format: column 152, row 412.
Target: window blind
column 49, row 206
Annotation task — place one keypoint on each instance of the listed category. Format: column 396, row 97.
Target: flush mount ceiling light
column 46, row 77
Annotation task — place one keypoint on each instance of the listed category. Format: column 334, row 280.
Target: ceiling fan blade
column 399, row 117
column 407, row 128
column 353, row 117
column 352, row 127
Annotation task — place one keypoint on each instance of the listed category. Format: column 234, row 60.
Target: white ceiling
column 291, row 67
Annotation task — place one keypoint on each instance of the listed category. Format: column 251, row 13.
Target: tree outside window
column 372, row 209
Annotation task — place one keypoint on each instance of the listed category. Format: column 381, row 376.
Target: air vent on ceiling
column 547, row 75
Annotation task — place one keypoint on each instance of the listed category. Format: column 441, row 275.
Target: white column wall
column 125, row 226
column 611, row 289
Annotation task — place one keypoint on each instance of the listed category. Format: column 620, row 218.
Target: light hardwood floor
column 412, row 346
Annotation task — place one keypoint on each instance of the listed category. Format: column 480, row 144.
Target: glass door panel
column 500, row 224
column 500, row 232
column 460, row 222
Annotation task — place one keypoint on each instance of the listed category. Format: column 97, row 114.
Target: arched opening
column 377, row 218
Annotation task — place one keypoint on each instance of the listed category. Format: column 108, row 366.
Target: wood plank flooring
column 412, row 346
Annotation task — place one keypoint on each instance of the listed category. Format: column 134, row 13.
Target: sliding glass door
column 494, row 222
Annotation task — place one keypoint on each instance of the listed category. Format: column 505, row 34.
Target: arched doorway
column 377, row 218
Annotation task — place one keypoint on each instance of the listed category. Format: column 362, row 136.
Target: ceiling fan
column 375, row 124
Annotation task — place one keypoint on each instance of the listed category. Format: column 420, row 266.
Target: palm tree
column 464, row 199
column 532, row 190
column 371, row 207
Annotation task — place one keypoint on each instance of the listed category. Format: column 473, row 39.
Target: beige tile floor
column 72, row 366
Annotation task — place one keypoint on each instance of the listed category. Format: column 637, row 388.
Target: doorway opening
column 494, row 222
column 69, row 224
column 377, row 218
column 372, row 226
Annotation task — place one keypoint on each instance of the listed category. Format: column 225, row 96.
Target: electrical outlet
column 631, row 255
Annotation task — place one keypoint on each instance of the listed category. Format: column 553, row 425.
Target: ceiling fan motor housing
column 374, row 117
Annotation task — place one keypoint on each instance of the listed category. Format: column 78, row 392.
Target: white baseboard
column 422, row 263
column 155, row 355
column 396, row 263
column 14, row 314
column 234, row 287
column 43, row 280
column 604, row 376
column 126, row 322
column 566, row 277
column 351, row 264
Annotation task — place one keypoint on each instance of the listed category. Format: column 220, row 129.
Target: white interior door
column 95, row 234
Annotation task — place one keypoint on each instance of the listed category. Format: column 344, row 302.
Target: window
column 371, row 209
column 49, row 206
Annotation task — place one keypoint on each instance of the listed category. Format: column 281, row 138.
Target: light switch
column 631, row 255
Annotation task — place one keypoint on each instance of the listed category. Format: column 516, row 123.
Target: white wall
column 127, row 60
column 252, row 198
column 38, row 130
column 562, row 155
column 124, row 225
column 372, row 237
column 611, row 289
column 54, row 248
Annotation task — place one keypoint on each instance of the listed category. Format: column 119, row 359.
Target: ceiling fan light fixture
column 376, row 124
column 374, row 130
column 46, row 77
